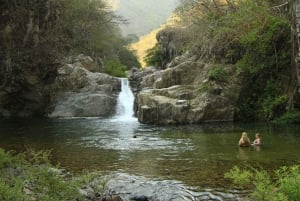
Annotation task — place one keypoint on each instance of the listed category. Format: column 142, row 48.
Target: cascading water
column 125, row 102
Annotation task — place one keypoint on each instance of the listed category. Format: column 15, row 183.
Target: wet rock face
column 77, row 92
column 184, row 94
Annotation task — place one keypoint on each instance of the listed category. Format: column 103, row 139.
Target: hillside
column 148, row 41
column 143, row 15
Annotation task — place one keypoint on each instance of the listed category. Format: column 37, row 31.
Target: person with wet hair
column 244, row 140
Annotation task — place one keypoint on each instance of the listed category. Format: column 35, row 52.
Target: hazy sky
column 143, row 15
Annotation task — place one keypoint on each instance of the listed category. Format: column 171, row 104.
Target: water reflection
column 197, row 155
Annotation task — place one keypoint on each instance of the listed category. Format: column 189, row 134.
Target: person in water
column 244, row 140
column 257, row 141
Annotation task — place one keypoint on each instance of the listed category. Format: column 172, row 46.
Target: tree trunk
column 296, row 36
column 294, row 97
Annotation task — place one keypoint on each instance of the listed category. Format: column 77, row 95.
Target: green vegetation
column 218, row 74
column 115, row 68
column 154, row 56
column 205, row 87
column 291, row 117
column 255, row 37
column 283, row 185
column 30, row 176
column 39, row 34
column 94, row 31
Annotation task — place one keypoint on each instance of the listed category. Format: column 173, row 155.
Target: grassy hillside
column 148, row 41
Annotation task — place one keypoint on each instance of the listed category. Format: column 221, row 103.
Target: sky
column 143, row 16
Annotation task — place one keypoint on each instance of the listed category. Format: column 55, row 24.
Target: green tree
column 255, row 37
column 154, row 56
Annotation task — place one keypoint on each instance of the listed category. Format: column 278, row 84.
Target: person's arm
column 257, row 142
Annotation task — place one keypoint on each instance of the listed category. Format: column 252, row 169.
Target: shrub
column 285, row 186
column 114, row 67
column 291, row 117
column 29, row 176
column 218, row 74
column 154, row 56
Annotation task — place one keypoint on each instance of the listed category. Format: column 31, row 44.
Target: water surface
column 197, row 155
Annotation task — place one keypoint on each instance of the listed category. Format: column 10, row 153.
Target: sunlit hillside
column 145, row 19
column 148, row 41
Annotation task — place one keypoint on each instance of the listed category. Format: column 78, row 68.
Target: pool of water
column 196, row 155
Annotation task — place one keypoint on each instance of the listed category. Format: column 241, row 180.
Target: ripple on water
column 115, row 134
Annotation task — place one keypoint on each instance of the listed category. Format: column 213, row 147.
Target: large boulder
column 77, row 92
column 185, row 94
column 24, row 92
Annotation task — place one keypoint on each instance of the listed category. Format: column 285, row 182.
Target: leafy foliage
column 23, row 179
column 252, row 36
column 285, row 186
column 154, row 56
column 30, row 176
column 218, row 74
column 291, row 117
column 35, row 34
column 114, row 67
column 128, row 58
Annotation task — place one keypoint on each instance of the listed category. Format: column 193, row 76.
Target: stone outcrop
column 25, row 92
column 27, row 57
column 77, row 92
column 185, row 94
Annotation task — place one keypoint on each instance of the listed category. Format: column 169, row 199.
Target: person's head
column 244, row 135
column 257, row 135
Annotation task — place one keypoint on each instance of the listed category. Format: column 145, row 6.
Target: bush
column 154, row 56
column 291, row 117
column 285, row 186
column 115, row 68
column 29, row 176
column 128, row 58
column 218, row 74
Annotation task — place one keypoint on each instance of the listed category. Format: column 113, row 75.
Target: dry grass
column 148, row 41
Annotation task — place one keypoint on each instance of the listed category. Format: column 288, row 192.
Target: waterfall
column 125, row 101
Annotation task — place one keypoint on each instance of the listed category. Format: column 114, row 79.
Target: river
column 196, row 155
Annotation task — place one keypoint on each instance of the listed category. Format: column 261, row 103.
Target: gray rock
column 183, row 95
column 77, row 92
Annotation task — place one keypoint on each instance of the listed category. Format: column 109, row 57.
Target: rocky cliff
column 35, row 36
column 187, row 93
column 203, row 85
column 27, row 58
column 78, row 92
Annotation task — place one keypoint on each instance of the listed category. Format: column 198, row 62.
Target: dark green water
column 197, row 155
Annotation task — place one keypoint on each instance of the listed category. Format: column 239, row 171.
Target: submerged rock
column 138, row 188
